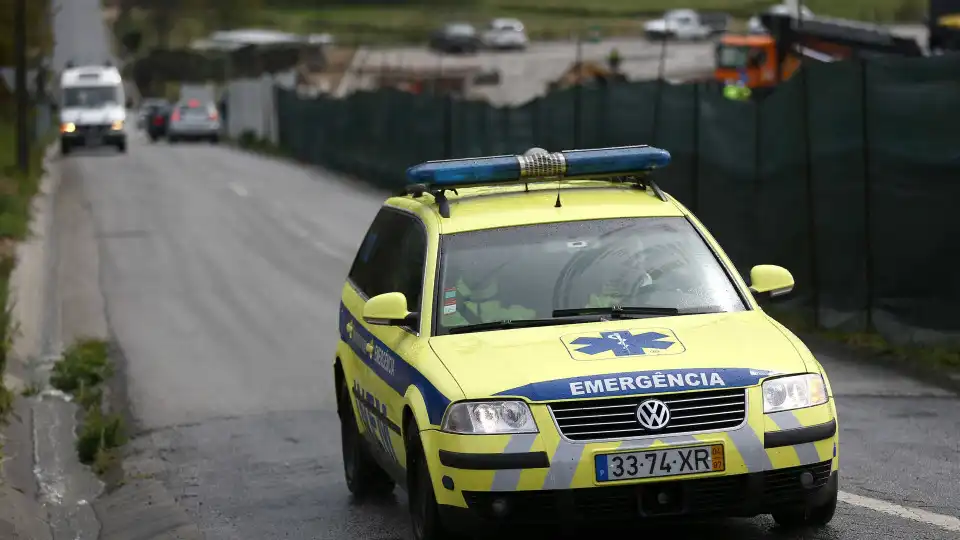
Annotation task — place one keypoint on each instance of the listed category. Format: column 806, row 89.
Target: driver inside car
column 476, row 298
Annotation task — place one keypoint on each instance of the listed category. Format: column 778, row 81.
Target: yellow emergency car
column 550, row 337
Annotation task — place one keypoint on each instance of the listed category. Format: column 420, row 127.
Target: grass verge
column 940, row 363
column 83, row 373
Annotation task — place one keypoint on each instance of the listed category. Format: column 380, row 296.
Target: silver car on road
column 194, row 120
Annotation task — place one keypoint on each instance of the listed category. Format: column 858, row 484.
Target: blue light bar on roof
column 597, row 162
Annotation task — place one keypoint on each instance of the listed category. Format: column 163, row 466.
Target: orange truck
column 762, row 61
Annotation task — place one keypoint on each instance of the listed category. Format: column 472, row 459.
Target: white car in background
column 682, row 24
column 505, row 34
column 754, row 26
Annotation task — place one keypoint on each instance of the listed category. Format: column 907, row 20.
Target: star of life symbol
column 653, row 414
column 623, row 343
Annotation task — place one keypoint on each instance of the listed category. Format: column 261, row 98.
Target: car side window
column 408, row 266
column 363, row 272
column 392, row 258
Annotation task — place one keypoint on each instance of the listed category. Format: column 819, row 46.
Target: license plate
column 659, row 463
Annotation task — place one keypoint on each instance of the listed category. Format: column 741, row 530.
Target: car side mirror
column 388, row 309
column 770, row 280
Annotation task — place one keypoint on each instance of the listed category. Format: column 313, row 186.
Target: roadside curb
column 923, row 373
column 22, row 515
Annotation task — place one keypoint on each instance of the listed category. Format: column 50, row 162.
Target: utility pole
column 22, row 95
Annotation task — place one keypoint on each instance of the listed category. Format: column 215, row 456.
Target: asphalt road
column 221, row 273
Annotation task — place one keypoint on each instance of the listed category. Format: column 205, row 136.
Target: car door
column 391, row 259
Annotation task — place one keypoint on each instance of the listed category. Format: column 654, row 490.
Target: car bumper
column 194, row 131
column 764, row 460
column 94, row 137
column 744, row 495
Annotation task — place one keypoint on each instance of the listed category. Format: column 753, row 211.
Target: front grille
column 703, row 497
column 616, row 418
column 93, row 129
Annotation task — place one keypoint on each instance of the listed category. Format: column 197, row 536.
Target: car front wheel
column 424, row 511
column 809, row 517
column 363, row 475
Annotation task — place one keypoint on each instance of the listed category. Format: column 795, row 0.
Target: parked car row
column 186, row 120
column 464, row 38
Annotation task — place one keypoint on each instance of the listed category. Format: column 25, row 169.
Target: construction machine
column 762, row 61
column 586, row 73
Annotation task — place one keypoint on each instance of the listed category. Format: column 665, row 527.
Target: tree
column 39, row 35
column 230, row 14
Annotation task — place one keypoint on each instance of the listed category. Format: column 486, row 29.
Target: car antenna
column 535, row 151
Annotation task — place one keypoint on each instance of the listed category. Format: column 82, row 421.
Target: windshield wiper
column 521, row 323
column 618, row 312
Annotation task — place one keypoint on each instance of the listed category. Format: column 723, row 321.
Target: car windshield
column 460, row 30
column 537, row 272
column 90, row 96
column 733, row 56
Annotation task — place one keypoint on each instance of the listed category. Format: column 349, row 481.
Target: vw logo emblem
column 653, row 414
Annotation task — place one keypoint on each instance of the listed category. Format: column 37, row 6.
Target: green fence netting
column 847, row 174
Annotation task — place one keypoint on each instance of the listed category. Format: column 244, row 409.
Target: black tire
column 215, row 139
column 65, row 147
column 122, row 147
column 173, row 140
column 424, row 510
column 365, row 478
column 808, row 517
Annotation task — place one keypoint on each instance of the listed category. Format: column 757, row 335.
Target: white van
column 92, row 108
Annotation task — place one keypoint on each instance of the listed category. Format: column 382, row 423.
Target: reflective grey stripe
column 510, row 479
column 563, row 465
column 751, row 449
column 806, row 452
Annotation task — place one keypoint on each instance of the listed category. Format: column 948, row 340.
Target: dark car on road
column 147, row 108
column 157, row 120
column 455, row 38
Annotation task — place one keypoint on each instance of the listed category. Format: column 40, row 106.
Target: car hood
column 101, row 115
column 622, row 357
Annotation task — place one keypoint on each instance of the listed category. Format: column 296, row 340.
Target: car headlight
column 489, row 417
column 793, row 392
column 117, row 125
column 68, row 127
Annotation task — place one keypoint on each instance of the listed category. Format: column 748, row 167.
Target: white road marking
column 239, row 190
column 947, row 523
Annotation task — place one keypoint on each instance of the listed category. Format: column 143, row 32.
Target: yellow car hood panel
column 622, row 357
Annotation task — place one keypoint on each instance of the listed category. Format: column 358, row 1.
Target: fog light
column 499, row 507
column 806, row 479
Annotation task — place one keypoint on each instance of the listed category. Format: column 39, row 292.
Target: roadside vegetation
column 933, row 362
column 176, row 23
column 83, row 373
column 16, row 189
column 16, row 193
